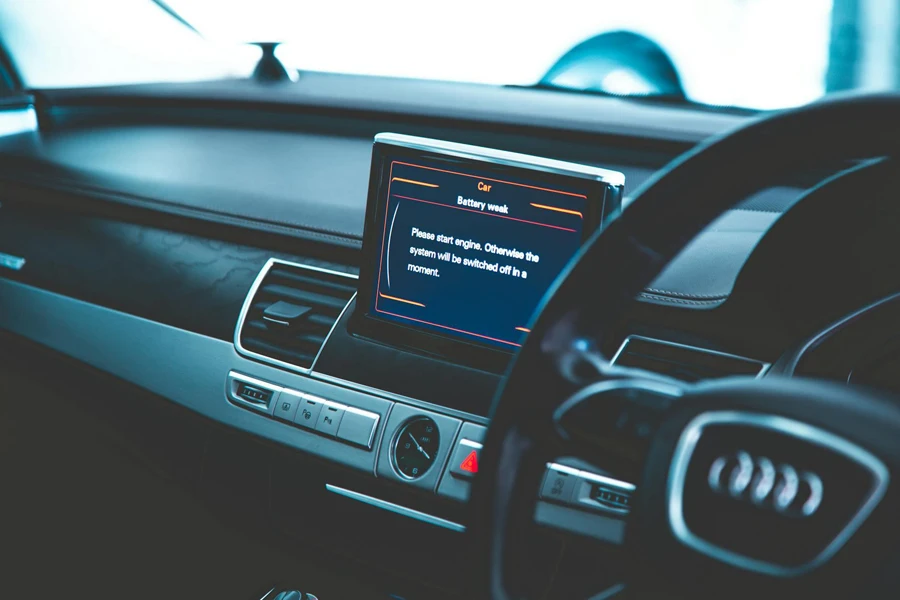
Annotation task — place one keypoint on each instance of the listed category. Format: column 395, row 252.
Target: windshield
column 759, row 54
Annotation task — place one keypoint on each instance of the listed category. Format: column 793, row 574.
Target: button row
column 586, row 490
column 332, row 419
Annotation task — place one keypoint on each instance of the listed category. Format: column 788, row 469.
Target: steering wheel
column 770, row 487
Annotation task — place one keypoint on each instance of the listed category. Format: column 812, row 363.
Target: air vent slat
column 326, row 320
column 278, row 353
column 323, row 320
column 298, row 339
column 283, row 292
column 687, row 363
column 313, row 283
column 299, row 335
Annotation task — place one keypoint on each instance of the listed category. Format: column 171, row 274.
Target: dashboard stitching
column 762, row 210
column 681, row 300
column 683, row 295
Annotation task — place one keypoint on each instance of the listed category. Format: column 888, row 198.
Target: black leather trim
column 672, row 299
column 704, row 273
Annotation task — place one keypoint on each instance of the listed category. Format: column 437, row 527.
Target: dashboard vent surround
column 687, row 363
column 290, row 311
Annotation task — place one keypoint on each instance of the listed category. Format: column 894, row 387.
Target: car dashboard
column 166, row 238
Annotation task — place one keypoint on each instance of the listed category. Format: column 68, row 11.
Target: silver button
column 330, row 418
column 308, row 412
column 358, row 427
column 558, row 484
column 465, row 459
column 286, row 405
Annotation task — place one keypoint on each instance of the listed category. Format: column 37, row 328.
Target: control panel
column 312, row 413
column 431, row 451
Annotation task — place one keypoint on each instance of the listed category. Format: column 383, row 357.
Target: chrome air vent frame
column 756, row 368
column 248, row 303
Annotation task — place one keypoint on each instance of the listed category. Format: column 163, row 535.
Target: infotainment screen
column 463, row 242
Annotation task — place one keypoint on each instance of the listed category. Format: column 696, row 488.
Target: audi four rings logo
column 759, row 481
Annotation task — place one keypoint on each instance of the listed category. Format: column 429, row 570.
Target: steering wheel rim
column 562, row 356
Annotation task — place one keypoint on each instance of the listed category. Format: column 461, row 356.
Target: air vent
column 687, row 363
column 289, row 312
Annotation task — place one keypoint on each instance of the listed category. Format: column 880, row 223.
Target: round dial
column 416, row 447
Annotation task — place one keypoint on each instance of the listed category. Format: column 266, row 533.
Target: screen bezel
column 602, row 187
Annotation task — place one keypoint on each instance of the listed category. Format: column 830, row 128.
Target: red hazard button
column 465, row 459
column 470, row 463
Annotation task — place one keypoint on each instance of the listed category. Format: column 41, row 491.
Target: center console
column 393, row 372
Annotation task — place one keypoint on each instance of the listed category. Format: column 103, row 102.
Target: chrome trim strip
column 276, row 321
column 563, row 469
column 330, row 331
column 11, row 262
column 396, row 508
column 390, row 236
column 764, row 366
column 803, row 431
column 471, row 444
column 615, row 356
column 608, row 481
column 18, row 120
column 502, row 157
column 248, row 301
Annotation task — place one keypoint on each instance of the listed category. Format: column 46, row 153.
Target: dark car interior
column 211, row 386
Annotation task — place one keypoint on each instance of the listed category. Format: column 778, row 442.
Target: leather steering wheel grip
column 579, row 311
